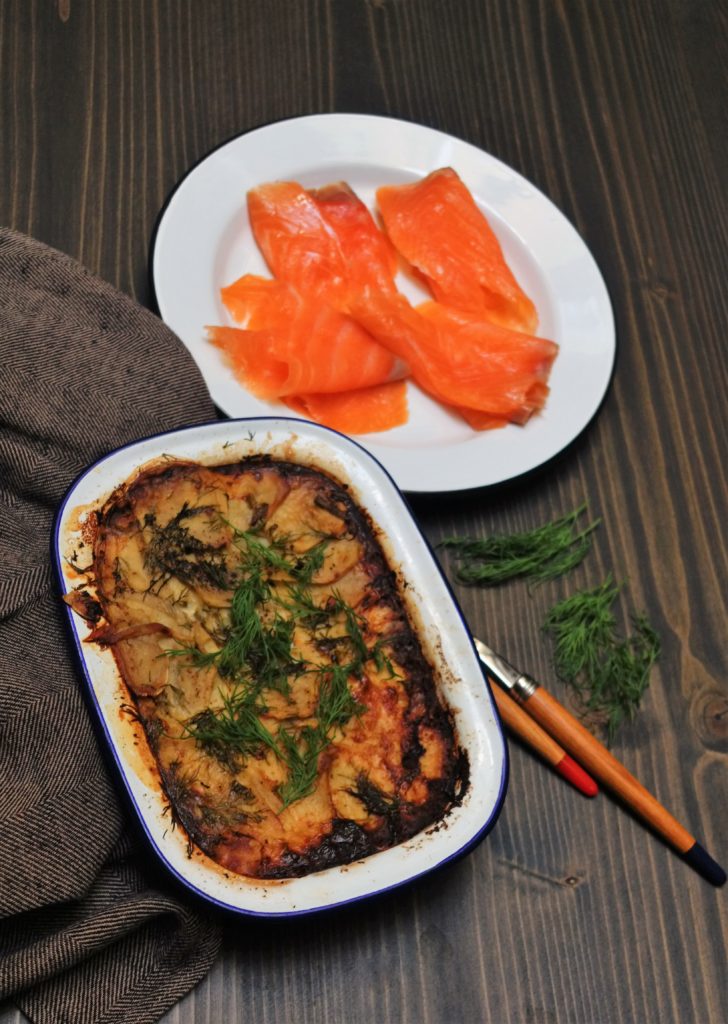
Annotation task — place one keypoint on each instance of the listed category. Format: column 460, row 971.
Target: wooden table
column 570, row 911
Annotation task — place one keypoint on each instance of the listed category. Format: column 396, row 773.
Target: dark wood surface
column 570, row 911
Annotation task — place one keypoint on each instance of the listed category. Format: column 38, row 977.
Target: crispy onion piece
column 84, row 605
column 107, row 634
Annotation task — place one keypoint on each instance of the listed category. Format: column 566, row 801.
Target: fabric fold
column 87, row 934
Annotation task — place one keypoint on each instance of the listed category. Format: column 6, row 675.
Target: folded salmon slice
column 487, row 372
column 292, row 344
column 363, row 411
column 437, row 226
column 259, row 302
column 473, row 350
column 371, row 259
column 324, row 242
column 311, row 348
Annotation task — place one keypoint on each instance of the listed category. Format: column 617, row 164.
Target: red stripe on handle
column 576, row 775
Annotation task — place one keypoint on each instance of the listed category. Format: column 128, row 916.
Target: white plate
column 203, row 241
column 439, row 622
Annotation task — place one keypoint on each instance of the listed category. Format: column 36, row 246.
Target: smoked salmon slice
column 315, row 349
column 299, row 332
column 371, row 259
column 298, row 245
column 363, row 411
column 324, row 242
column 462, row 360
column 259, row 302
column 437, row 226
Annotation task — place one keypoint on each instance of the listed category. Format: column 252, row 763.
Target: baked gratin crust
column 294, row 718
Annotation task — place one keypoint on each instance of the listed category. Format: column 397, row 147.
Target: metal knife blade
column 518, row 684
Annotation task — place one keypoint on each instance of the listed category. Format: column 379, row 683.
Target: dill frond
column 300, row 755
column 233, row 732
column 540, row 554
column 609, row 672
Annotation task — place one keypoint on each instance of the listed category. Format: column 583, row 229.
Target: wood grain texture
column 570, row 912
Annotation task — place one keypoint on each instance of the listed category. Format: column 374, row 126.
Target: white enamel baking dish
column 435, row 614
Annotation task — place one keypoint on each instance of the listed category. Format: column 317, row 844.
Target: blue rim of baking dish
column 57, row 558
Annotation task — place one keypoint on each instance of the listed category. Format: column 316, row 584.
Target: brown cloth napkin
column 87, row 932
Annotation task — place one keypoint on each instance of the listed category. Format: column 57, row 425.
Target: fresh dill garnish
column 540, row 554
column 232, row 732
column 302, row 606
column 174, row 551
column 309, row 563
column 354, row 624
column 273, row 554
column 336, row 705
column 235, row 731
column 609, row 672
column 256, row 649
column 301, row 752
column 381, row 659
column 258, row 555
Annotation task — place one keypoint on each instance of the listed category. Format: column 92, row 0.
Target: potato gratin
column 293, row 716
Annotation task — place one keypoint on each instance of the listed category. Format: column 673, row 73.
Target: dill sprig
column 354, row 625
column 301, row 752
column 258, row 555
column 255, row 648
column 609, row 672
column 173, row 551
column 540, row 554
column 302, row 606
column 233, row 732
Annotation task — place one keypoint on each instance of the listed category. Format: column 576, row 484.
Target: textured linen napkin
column 86, row 933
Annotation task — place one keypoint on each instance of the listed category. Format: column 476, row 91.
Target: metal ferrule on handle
column 523, row 688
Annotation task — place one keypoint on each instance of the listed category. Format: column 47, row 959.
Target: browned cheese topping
column 283, row 691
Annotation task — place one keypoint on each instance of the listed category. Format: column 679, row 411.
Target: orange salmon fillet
column 298, row 245
column 325, row 242
column 293, row 342
column 259, row 302
column 437, row 226
column 371, row 259
column 330, row 333
column 363, row 411
column 462, row 360
column 316, row 350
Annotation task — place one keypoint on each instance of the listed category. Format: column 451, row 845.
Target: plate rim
column 465, row 485
column 110, row 745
